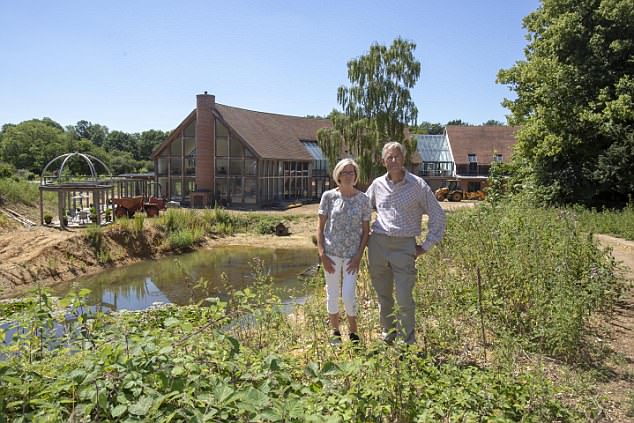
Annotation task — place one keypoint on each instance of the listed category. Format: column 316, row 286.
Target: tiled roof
column 273, row 136
column 484, row 141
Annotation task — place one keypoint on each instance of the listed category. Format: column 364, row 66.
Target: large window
column 234, row 164
column 176, row 165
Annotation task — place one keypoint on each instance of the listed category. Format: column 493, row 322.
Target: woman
column 342, row 234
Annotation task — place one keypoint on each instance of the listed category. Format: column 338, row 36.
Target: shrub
column 184, row 238
column 7, row 170
column 541, row 277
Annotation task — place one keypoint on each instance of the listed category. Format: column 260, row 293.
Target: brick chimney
column 205, row 143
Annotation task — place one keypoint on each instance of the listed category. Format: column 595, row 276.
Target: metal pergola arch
column 70, row 191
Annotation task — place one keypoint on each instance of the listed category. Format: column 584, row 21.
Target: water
column 171, row 279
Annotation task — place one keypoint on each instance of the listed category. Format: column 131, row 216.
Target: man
column 400, row 199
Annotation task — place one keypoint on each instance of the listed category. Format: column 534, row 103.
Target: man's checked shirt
column 400, row 206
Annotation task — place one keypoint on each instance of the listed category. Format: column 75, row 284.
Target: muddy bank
column 48, row 256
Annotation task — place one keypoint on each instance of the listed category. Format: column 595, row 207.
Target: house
column 231, row 156
column 464, row 153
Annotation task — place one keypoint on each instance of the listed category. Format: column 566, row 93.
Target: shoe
column 335, row 339
column 388, row 337
column 354, row 338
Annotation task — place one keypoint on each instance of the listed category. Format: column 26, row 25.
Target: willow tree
column 377, row 107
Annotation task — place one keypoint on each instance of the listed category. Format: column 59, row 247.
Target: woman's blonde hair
column 339, row 167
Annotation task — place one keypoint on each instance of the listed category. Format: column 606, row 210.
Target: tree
column 457, row 122
column 32, row 144
column 122, row 162
column 89, row 131
column 493, row 122
column 148, row 141
column 377, row 107
column 575, row 101
column 428, row 128
column 122, row 141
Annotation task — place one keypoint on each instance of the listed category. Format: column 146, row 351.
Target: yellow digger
column 452, row 192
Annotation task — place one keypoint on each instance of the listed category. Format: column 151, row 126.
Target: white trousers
column 334, row 287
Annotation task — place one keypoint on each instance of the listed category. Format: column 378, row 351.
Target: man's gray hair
column 391, row 145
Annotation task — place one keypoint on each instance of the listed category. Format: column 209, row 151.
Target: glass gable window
column 176, row 146
column 190, row 131
column 176, row 167
column 190, row 166
column 189, row 147
column 235, row 167
column 236, row 147
column 234, row 162
column 435, row 154
column 222, row 140
column 318, row 170
column 250, row 167
column 222, row 167
column 161, row 167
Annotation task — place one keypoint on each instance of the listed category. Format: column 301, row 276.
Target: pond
column 172, row 279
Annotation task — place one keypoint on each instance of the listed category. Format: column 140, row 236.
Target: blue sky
column 138, row 65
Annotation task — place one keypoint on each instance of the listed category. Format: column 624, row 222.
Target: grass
column 96, row 237
column 619, row 223
column 21, row 193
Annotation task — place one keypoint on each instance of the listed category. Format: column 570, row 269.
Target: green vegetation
column 619, row 223
column 20, row 191
column 248, row 361
column 180, row 229
column 541, row 278
column 574, row 103
column 96, row 238
column 31, row 144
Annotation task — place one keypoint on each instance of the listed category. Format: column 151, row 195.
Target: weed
column 618, row 223
column 138, row 224
column 96, row 238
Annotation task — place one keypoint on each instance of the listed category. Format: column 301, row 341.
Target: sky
column 136, row 65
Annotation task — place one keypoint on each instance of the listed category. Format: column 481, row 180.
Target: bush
column 541, row 276
column 184, row 238
column 7, row 170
